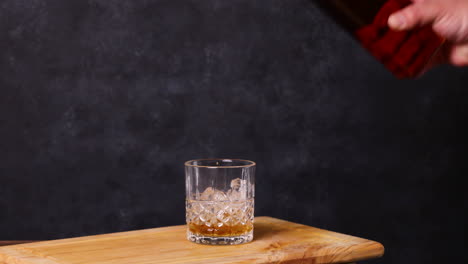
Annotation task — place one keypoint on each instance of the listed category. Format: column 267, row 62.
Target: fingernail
column 397, row 21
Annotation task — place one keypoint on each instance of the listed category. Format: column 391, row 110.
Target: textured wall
column 102, row 101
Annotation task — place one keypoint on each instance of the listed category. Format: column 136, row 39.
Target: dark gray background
column 102, row 101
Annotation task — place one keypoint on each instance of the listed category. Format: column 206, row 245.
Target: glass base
column 234, row 240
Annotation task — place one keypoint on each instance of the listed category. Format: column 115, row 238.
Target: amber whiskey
column 220, row 218
column 220, row 229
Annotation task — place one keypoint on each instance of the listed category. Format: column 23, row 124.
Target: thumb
column 416, row 15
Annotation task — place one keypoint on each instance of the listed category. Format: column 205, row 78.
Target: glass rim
column 250, row 164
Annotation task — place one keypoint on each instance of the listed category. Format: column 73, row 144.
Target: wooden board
column 275, row 241
column 14, row 242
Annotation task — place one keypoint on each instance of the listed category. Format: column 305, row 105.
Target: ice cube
column 233, row 195
column 236, row 184
column 219, row 196
column 238, row 190
column 207, row 194
column 211, row 194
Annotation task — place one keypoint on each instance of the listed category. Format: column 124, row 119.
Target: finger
column 416, row 15
column 459, row 56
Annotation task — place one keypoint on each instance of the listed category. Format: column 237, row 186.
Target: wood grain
column 275, row 241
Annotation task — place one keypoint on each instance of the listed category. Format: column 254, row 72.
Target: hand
column 448, row 18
